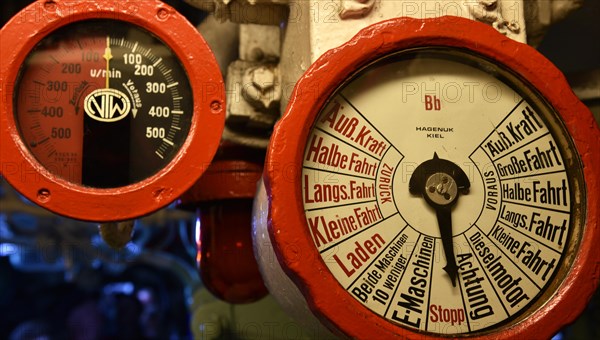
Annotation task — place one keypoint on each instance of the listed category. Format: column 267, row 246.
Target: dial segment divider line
column 520, row 147
column 462, row 297
column 386, row 139
column 358, row 233
column 511, row 260
column 430, row 286
column 536, row 206
column 484, row 188
column 392, row 181
column 371, row 124
column 393, row 199
column 486, row 273
column 533, row 175
column 338, row 173
column 496, row 126
column 340, row 205
column 343, row 141
column 522, row 233
column 403, row 272
column 376, row 173
column 375, row 259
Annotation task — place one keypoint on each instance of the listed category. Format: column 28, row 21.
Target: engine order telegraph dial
column 110, row 101
column 445, row 189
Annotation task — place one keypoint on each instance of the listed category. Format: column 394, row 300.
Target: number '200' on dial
column 484, row 228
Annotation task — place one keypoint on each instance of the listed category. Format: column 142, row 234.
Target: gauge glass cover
column 440, row 192
column 103, row 103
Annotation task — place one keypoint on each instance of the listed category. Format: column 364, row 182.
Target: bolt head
column 262, row 78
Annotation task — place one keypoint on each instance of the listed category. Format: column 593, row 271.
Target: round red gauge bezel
column 288, row 229
column 20, row 35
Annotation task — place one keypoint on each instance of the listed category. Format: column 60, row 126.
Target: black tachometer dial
column 103, row 109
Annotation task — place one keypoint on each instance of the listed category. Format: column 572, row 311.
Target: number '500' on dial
column 103, row 109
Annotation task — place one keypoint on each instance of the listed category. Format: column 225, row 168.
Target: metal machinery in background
column 263, row 48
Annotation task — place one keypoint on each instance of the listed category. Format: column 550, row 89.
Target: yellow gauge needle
column 108, row 56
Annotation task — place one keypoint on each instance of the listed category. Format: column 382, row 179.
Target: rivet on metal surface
column 162, row 14
column 215, row 106
column 50, row 6
column 43, row 195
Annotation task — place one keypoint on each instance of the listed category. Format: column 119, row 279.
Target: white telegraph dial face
column 436, row 194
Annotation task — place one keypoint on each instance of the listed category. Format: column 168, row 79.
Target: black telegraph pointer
column 439, row 181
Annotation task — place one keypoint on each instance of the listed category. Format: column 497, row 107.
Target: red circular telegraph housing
column 288, row 227
column 196, row 150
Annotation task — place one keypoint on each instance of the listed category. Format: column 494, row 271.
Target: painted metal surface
column 222, row 199
column 224, row 179
column 22, row 170
column 293, row 244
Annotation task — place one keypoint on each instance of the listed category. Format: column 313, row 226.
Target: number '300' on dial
column 103, row 110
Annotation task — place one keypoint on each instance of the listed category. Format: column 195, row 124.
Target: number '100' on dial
column 103, row 103
column 439, row 191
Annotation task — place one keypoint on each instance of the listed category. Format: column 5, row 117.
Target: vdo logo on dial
column 107, row 105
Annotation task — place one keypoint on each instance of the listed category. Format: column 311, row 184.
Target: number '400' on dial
column 103, row 103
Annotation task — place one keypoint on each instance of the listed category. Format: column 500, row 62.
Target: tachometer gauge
column 446, row 186
column 114, row 108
